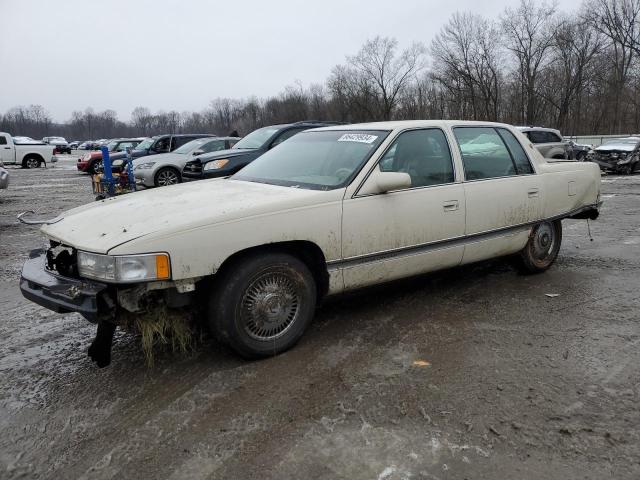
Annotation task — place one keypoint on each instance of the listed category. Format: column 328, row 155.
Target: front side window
column 423, row 154
column 162, row 145
column 213, row 146
column 318, row 160
column 145, row 144
column 484, row 154
column 3, row 140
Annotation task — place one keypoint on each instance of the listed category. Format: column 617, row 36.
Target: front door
column 410, row 231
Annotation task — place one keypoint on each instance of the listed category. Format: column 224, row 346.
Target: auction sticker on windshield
column 358, row 137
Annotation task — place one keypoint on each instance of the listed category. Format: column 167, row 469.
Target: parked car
column 166, row 168
column 29, row 155
column 92, row 161
column 330, row 210
column 4, row 177
column 620, row 155
column 86, row 145
column 75, row 144
column 59, row 142
column 579, row 151
column 228, row 162
column 548, row 142
column 161, row 144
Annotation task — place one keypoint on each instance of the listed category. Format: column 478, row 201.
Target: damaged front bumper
column 58, row 293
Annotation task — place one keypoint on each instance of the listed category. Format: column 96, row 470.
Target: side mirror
column 197, row 152
column 389, row 181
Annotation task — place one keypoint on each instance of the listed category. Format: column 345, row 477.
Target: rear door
column 503, row 193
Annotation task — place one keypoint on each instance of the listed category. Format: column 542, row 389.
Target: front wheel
column 542, row 248
column 262, row 304
column 166, row 176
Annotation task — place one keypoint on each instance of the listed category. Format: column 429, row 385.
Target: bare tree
column 528, row 31
column 466, row 56
column 375, row 77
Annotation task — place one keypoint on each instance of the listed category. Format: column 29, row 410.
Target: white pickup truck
column 29, row 155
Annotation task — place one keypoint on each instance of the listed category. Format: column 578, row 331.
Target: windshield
column 192, row 145
column 145, row 144
column 112, row 146
column 257, row 138
column 315, row 160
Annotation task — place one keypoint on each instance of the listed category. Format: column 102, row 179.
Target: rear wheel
column 542, row 248
column 95, row 167
column 262, row 304
column 166, row 176
column 31, row 162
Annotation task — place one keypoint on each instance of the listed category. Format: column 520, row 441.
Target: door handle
column 533, row 193
column 450, row 205
column 7, row 148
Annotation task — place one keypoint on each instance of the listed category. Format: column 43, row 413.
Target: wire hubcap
column 270, row 306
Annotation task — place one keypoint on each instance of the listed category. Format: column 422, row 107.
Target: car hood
column 101, row 226
column 171, row 158
column 618, row 147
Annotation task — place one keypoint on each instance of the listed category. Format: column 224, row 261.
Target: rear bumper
column 57, row 293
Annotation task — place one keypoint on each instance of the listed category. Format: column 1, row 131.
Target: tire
column 580, row 156
column 166, row 176
column 262, row 304
column 95, row 166
column 31, row 162
column 542, row 248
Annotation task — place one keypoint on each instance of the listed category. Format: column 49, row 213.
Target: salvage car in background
column 59, row 143
column 620, row 155
column 330, row 210
column 166, row 168
column 579, row 151
column 28, row 155
column 548, row 142
column 228, row 162
column 92, row 161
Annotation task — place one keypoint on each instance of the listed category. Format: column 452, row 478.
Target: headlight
column 124, row 269
column 216, row 164
column 143, row 166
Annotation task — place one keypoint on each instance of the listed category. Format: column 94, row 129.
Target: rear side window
column 423, row 154
column 179, row 141
column 484, row 154
column 537, row 136
column 523, row 166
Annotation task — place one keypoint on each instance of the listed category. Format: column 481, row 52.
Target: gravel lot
column 509, row 383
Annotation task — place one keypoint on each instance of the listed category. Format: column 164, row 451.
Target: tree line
column 533, row 65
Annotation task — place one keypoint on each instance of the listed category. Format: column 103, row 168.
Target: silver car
column 165, row 168
column 548, row 142
column 4, row 177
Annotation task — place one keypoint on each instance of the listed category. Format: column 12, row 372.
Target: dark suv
column 227, row 162
column 160, row 144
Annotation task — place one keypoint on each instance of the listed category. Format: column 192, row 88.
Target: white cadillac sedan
column 329, row 210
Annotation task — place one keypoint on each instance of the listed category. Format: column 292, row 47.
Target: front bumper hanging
column 58, row 293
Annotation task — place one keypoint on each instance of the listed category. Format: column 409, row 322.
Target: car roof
column 404, row 124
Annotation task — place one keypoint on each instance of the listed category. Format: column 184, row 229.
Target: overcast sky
column 179, row 54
